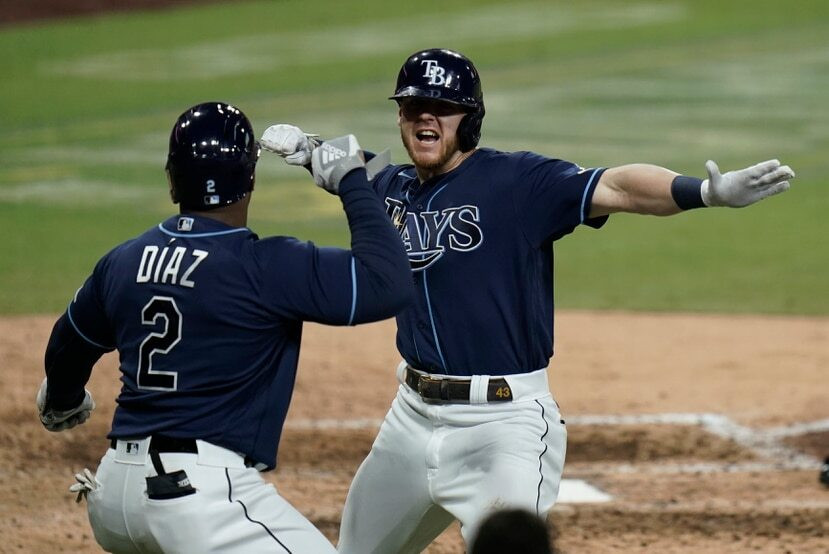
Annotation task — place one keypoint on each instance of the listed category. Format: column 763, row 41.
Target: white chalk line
column 586, row 469
column 714, row 421
column 800, row 429
column 333, row 424
column 765, row 443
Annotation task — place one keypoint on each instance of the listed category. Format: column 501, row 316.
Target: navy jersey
column 207, row 319
column 479, row 240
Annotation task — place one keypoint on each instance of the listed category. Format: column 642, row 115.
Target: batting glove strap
column 378, row 163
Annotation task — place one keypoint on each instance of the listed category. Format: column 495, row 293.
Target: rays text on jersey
column 427, row 234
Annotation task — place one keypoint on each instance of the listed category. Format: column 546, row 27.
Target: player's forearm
column 635, row 188
column 69, row 361
column 383, row 275
column 650, row 189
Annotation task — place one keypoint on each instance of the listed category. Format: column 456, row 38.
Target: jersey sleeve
column 86, row 313
column 371, row 281
column 552, row 197
column 304, row 282
column 78, row 339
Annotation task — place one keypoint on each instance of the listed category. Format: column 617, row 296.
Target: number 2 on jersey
column 159, row 307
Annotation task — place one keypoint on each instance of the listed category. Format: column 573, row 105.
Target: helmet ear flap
column 170, row 183
column 469, row 130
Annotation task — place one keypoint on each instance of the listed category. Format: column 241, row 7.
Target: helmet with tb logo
column 212, row 156
column 448, row 76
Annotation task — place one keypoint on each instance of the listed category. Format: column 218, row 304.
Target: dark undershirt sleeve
column 69, row 361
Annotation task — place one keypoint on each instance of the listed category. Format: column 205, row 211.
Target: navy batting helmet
column 212, row 156
column 449, row 76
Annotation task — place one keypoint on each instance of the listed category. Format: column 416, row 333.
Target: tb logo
column 436, row 74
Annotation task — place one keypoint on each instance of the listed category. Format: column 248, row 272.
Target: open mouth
column 427, row 136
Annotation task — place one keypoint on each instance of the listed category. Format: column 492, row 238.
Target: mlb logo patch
column 185, row 224
column 132, row 448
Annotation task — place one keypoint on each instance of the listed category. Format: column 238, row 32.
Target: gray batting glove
column 61, row 420
column 333, row 159
column 290, row 142
column 736, row 189
column 86, row 483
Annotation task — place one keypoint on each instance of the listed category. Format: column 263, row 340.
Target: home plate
column 579, row 491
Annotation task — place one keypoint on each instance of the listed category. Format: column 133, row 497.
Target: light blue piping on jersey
column 408, row 201
column 213, row 234
column 426, row 290
column 417, row 351
column 84, row 337
column 584, row 196
column 353, row 291
column 409, row 177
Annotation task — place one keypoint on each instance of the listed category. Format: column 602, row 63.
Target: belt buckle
column 424, row 381
column 429, row 389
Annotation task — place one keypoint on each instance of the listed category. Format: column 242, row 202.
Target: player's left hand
column 85, row 484
column 60, row 420
column 290, row 142
column 736, row 189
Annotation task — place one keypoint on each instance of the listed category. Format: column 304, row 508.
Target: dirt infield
column 705, row 430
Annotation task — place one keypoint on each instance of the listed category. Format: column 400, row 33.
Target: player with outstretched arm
column 474, row 427
column 207, row 320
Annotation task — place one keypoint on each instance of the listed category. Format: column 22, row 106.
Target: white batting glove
column 61, row 420
column 86, row 483
column 290, row 142
column 736, row 189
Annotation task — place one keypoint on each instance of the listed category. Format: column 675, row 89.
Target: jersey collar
column 429, row 183
column 187, row 225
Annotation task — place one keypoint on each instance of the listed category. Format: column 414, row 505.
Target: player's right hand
column 61, row 420
column 736, row 189
column 290, row 142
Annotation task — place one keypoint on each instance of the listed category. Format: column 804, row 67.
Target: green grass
column 86, row 106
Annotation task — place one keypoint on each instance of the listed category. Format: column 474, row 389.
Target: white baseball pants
column 233, row 511
column 433, row 463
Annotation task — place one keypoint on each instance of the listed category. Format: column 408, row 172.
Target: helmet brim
column 442, row 94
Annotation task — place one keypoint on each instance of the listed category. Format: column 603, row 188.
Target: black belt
column 454, row 390
column 160, row 443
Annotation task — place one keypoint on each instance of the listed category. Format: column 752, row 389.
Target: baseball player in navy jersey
column 207, row 320
column 474, row 426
